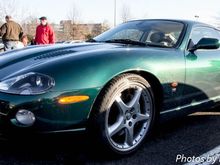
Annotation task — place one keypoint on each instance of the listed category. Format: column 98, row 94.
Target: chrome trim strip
column 3, row 114
column 69, row 130
column 217, row 98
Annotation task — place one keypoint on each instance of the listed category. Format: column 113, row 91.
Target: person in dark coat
column 11, row 33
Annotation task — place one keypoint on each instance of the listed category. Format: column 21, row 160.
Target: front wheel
column 124, row 114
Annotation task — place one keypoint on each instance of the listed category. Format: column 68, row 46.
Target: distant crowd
column 13, row 36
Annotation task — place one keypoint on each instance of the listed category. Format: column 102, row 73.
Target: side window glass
column 218, row 34
column 196, row 36
column 202, row 32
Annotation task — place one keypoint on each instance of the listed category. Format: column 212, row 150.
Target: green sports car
column 116, row 85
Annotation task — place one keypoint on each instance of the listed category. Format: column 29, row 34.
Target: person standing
column 44, row 33
column 11, row 33
column 22, row 43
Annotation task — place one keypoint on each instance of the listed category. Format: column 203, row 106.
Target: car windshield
column 149, row 32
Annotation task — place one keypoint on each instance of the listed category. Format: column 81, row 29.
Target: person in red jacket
column 44, row 33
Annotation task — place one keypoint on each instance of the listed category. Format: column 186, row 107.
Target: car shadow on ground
column 192, row 135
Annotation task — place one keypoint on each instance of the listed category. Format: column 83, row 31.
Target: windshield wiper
column 91, row 40
column 126, row 41
column 131, row 42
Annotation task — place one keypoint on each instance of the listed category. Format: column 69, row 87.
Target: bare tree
column 105, row 26
column 125, row 13
column 20, row 14
column 14, row 9
column 7, row 8
column 73, row 13
column 29, row 24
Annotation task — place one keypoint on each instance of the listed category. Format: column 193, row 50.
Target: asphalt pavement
column 182, row 138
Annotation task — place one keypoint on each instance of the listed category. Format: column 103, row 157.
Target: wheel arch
column 151, row 78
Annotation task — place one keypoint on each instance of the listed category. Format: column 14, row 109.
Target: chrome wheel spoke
column 129, row 116
column 120, row 103
column 142, row 117
column 129, row 136
column 135, row 100
column 116, row 127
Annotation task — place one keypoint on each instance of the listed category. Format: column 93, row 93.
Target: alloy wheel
column 128, row 117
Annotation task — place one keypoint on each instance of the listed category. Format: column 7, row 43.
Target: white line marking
column 210, row 157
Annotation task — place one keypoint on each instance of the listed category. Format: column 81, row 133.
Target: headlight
column 27, row 84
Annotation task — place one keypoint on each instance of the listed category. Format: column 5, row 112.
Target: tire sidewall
column 108, row 98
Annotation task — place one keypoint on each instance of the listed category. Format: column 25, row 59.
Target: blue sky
column 100, row 10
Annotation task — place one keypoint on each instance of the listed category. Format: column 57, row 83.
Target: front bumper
column 50, row 115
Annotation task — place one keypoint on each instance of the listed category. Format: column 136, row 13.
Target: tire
column 124, row 114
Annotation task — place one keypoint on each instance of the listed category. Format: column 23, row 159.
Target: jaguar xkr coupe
column 116, row 85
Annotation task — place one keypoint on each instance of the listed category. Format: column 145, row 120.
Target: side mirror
column 206, row 43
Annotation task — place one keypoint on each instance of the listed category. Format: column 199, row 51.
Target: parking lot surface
column 189, row 136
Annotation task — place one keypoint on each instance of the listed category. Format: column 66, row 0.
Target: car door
column 202, row 85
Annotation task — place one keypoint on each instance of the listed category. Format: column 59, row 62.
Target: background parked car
column 73, row 41
column 1, row 45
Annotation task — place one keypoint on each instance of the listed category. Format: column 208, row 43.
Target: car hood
column 21, row 61
column 48, row 51
column 15, row 61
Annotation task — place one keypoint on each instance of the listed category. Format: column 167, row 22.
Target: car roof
column 188, row 22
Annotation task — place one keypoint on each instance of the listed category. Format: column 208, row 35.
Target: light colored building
column 70, row 31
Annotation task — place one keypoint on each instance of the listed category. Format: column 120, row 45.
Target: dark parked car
column 116, row 85
column 1, row 45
